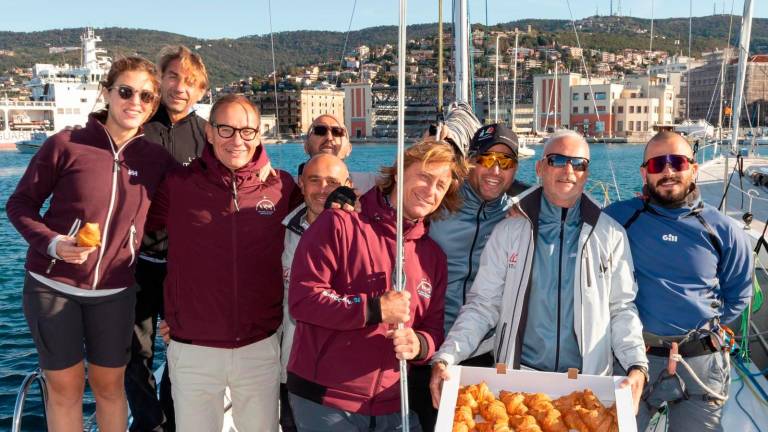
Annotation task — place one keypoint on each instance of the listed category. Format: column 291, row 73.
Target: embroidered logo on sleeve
column 512, row 260
column 347, row 300
column 424, row 288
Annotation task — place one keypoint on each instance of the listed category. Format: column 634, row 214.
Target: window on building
column 620, row 126
column 575, row 96
column 631, row 109
column 601, row 108
column 586, row 96
column 645, row 109
column 645, row 125
column 586, row 110
column 599, row 95
column 631, row 126
column 621, row 110
column 575, row 110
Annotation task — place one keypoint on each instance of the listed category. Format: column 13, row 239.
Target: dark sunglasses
column 489, row 159
column 336, row 131
column 656, row 165
column 558, row 160
column 227, row 131
column 126, row 92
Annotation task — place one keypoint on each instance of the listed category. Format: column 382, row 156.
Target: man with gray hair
column 546, row 275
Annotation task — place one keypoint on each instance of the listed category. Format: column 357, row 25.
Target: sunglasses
column 336, row 131
column 489, row 159
column 227, row 131
column 557, row 160
column 126, row 93
column 656, row 165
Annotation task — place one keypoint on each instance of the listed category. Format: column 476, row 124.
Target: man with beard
column 693, row 268
column 555, row 282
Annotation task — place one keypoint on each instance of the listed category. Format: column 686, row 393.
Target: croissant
column 89, row 235
column 524, row 423
column 484, row 394
column 553, row 422
column 460, row 427
column 573, row 421
column 494, row 411
column 464, row 415
column 514, row 402
column 466, row 399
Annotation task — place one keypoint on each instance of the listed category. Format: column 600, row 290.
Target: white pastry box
column 553, row 384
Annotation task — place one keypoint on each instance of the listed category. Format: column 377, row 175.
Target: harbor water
column 17, row 352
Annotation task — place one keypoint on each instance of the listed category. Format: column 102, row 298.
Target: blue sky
column 235, row 18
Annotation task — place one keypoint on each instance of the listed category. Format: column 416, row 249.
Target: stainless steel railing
column 18, row 411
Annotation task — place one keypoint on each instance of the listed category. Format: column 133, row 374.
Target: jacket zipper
column 471, row 253
column 111, row 208
column 501, row 342
column 72, row 232
column 563, row 216
column 131, row 240
column 234, row 261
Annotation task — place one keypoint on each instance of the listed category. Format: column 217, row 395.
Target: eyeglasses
column 656, row 165
column 489, row 159
column 336, row 131
column 126, row 92
column 558, row 160
column 227, row 131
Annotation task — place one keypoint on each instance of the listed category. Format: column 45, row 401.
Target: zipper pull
column 116, row 166
column 50, row 266
column 234, row 193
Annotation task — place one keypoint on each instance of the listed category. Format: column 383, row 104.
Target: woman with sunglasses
column 79, row 301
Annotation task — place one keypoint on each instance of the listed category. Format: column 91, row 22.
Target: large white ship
column 62, row 95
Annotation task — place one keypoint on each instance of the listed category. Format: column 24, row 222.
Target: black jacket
column 184, row 139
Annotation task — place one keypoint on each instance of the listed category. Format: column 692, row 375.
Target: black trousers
column 149, row 413
column 419, row 397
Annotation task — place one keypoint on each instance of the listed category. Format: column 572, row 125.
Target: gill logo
column 669, row 238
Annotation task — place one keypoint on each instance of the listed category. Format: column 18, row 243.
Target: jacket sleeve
column 311, row 297
column 35, row 186
column 626, row 328
column 735, row 275
column 481, row 311
column 157, row 217
column 431, row 327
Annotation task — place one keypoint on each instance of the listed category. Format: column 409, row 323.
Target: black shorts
column 67, row 328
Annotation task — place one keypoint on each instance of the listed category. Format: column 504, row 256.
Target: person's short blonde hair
column 189, row 62
column 429, row 153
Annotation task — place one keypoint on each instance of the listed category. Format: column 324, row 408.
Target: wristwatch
column 642, row 369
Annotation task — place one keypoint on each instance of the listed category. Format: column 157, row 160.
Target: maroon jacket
column 224, row 286
column 83, row 174
column 343, row 264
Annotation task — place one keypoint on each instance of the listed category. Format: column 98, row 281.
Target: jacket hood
column 529, row 202
column 162, row 117
column 376, row 208
column 690, row 204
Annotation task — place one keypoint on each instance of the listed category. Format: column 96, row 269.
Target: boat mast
column 274, row 73
column 461, row 51
column 746, row 33
column 440, row 59
column 514, row 86
column 399, row 279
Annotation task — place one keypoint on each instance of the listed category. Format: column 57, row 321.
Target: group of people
column 280, row 290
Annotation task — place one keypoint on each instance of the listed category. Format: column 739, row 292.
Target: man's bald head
column 666, row 142
column 321, row 176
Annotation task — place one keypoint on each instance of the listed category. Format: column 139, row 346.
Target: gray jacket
column 605, row 318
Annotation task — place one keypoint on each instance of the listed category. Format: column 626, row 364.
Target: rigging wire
column 346, row 41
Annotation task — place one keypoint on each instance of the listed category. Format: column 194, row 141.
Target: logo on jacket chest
column 512, row 262
column 669, row 238
column 424, row 288
column 265, row 206
column 133, row 173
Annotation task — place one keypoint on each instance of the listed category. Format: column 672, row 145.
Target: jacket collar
column 529, row 202
column 97, row 132
column 162, row 117
column 691, row 204
column 375, row 208
column 296, row 221
column 473, row 201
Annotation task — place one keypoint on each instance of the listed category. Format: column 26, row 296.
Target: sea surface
column 17, row 352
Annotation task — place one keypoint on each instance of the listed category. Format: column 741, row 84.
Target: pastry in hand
column 89, row 235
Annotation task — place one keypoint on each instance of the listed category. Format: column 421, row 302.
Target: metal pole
column 440, row 57
column 725, row 184
column 746, row 33
column 496, row 94
column 399, row 276
column 514, row 87
column 688, row 68
column 557, row 93
column 274, row 72
column 461, row 51
column 18, row 410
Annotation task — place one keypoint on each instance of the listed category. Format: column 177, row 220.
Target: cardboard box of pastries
column 509, row 387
